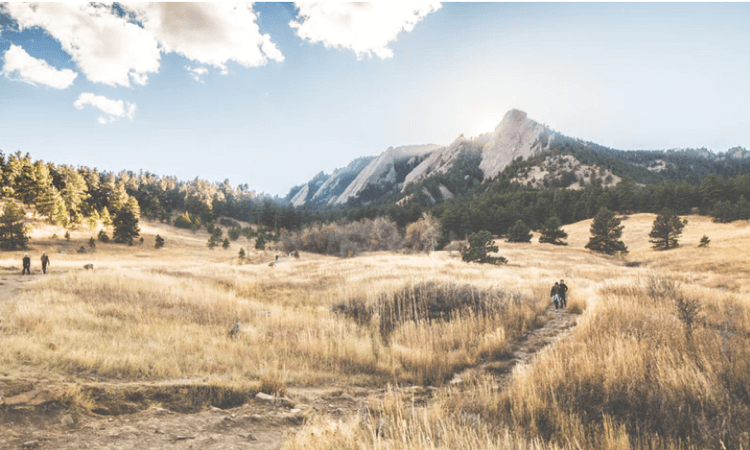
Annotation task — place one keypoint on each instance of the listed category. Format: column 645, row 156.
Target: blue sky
column 215, row 92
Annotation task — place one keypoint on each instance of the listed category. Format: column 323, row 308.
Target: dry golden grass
column 627, row 377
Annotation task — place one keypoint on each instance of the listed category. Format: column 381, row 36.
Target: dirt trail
column 11, row 282
column 258, row 425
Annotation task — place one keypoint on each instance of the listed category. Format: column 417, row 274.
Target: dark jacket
column 45, row 260
column 562, row 289
column 555, row 290
column 26, row 261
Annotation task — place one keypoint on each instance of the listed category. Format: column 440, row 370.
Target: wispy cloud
column 365, row 28
column 114, row 109
column 35, row 71
column 197, row 73
column 116, row 49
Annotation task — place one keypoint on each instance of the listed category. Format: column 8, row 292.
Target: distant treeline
column 67, row 196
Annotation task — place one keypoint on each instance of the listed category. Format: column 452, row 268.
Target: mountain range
column 539, row 156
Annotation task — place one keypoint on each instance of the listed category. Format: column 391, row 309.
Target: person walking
column 45, row 262
column 562, row 289
column 26, row 264
column 555, row 295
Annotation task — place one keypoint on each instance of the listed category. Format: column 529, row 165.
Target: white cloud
column 33, row 70
column 209, row 33
column 112, row 50
column 365, row 28
column 197, row 73
column 114, row 109
column 106, row 48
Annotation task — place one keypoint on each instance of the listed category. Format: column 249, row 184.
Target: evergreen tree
column 260, row 241
column 519, row 232
column 73, row 193
column 92, row 242
column 67, row 235
column 480, row 244
column 704, row 241
column 60, row 214
column 13, row 232
column 125, row 223
column 241, row 254
column 606, row 232
column 106, row 218
column 666, row 230
column 46, row 191
column 103, row 236
column 551, row 232
column 742, row 210
column 159, row 242
column 93, row 220
column 722, row 212
column 225, row 244
column 215, row 238
column 183, row 221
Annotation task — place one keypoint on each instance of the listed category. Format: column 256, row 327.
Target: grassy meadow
column 632, row 373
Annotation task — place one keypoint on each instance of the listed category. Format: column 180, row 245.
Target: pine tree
column 606, row 232
column 183, row 221
column 159, row 242
column 46, row 191
column 260, row 242
column 241, row 254
column 67, row 235
column 92, row 242
column 519, row 232
column 13, row 232
column 480, row 244
column 666, row 230
column 126, row 222
column 551, row 232
column 106, row 218
column 742, row 210
column 215, row 238
column 60, row 214
column 93, row 220
column 103, row 236
column 225, row 244
column 704, row 241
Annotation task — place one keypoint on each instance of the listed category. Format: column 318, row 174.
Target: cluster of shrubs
column 344, row 239
column 428, row 301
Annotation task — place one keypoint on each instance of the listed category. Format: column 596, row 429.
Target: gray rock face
column 515, row 136
column 339, row 181
column 309, row 189
column 383, row 169
column 737, row 153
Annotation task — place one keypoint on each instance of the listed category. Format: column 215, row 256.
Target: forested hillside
column 684, row 181
column 74, row 196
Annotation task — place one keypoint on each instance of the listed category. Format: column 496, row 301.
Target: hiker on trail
column 26, row 264
column 561, row 290
column 45, row 262
column 556, row 295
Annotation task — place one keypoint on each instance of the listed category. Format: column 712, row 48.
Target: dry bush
column 660, row 287
column 430, row 330
column 428, row 302
column 344, row 240
column 422, row 235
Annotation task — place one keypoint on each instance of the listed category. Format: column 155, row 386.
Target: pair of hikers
column 26, row 261
column 558, row 294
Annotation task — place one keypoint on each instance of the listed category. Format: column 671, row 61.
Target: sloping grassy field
column 630, row 375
